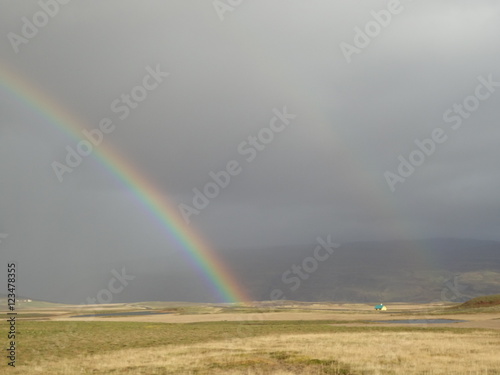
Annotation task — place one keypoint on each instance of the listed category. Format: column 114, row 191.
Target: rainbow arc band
column 150, row 197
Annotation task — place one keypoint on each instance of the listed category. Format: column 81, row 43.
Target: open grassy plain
column 265, row 338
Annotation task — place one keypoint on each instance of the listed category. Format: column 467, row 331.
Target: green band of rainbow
column 149, row 196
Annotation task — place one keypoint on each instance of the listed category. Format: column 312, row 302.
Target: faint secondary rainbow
column 146, row 193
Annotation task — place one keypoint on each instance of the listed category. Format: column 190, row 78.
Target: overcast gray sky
column 326, row 172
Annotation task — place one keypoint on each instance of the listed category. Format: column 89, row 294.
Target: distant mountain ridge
column 448, row 270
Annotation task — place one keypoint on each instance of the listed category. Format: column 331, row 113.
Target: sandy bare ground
column 481, row 324
column 176, row 318
column 483, row 320
column 351, row 314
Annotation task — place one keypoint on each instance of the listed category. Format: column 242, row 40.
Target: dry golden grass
column 299, row 340
column 412, row 352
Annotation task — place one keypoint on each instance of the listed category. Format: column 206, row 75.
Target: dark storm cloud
column 324, row 174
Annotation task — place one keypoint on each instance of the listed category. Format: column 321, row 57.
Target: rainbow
column 147, row 194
